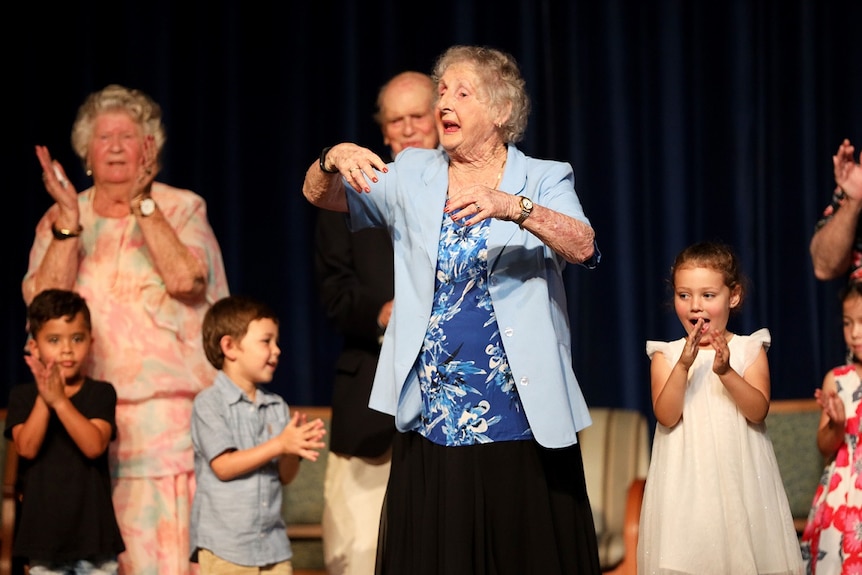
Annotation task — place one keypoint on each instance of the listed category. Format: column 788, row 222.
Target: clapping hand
column 58, row 184
column 146, row 171
column 302, row 437
column 692, row 344
column 832, row 405
column 49, row 380
column 721, row 363
column 848, row 172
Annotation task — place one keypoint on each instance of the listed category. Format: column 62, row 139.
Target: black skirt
column 503, row 508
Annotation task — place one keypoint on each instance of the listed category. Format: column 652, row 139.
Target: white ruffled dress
column 714, row 502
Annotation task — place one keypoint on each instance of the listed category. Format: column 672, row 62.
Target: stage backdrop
column 684, row 120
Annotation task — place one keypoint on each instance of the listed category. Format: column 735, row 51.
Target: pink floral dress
column 148, row 345
column 832, row 541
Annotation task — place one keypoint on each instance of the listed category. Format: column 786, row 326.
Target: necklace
column 500, row 175
column 497, row 180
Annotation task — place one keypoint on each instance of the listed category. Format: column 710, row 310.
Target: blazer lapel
column 514, row 182
column 429, row 203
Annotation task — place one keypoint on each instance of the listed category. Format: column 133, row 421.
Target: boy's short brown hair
column 230, row 316
column 56, row 304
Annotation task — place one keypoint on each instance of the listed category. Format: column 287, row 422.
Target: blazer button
column 525, row 381
column 509, row 332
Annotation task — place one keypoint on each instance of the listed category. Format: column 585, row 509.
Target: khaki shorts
column 213, row 565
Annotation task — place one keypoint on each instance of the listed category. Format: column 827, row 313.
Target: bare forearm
column 668, row 403
column 571, row 238
column 324, row 190
column 831, row 245
column 288, row 467
column 185, row 276
column 829, row 439
column 233, row 464
column 91, row 440
column 58, row 269
column 750, row 400
column 29, row 435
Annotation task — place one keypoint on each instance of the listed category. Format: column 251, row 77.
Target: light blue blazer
column 524, row 278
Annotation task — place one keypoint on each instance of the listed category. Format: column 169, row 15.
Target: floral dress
column 832, row 540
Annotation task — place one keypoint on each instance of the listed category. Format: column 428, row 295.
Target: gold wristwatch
column 146, row 206
column 526, row 210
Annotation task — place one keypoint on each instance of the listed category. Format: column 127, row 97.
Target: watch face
column 526, row 203
column 148, row 206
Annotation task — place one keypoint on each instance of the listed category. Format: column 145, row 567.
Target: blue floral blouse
column 468, row 392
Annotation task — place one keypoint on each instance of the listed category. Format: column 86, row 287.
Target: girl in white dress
column 714, row 502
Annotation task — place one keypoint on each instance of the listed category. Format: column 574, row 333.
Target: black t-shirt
column 66, row 512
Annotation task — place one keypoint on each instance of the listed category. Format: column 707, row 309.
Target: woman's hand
column 356, row 164
column 146, row 172
column 60, row 188
column 475, row 203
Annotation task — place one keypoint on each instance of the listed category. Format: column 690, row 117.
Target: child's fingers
column 309, row 455
column 317, row 424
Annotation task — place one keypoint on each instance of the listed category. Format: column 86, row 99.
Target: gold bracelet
column 65, row 233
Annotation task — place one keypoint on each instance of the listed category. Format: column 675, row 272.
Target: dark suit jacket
column 354, row 274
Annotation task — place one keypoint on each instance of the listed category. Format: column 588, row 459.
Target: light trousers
column 353, row 492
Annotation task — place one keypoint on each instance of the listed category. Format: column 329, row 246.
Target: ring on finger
column 478, row 209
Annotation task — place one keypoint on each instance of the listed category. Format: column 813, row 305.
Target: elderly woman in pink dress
column 145, row 258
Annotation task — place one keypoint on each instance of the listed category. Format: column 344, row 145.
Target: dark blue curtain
column 684, row 120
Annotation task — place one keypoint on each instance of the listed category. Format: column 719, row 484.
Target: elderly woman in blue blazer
column 487, row 474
